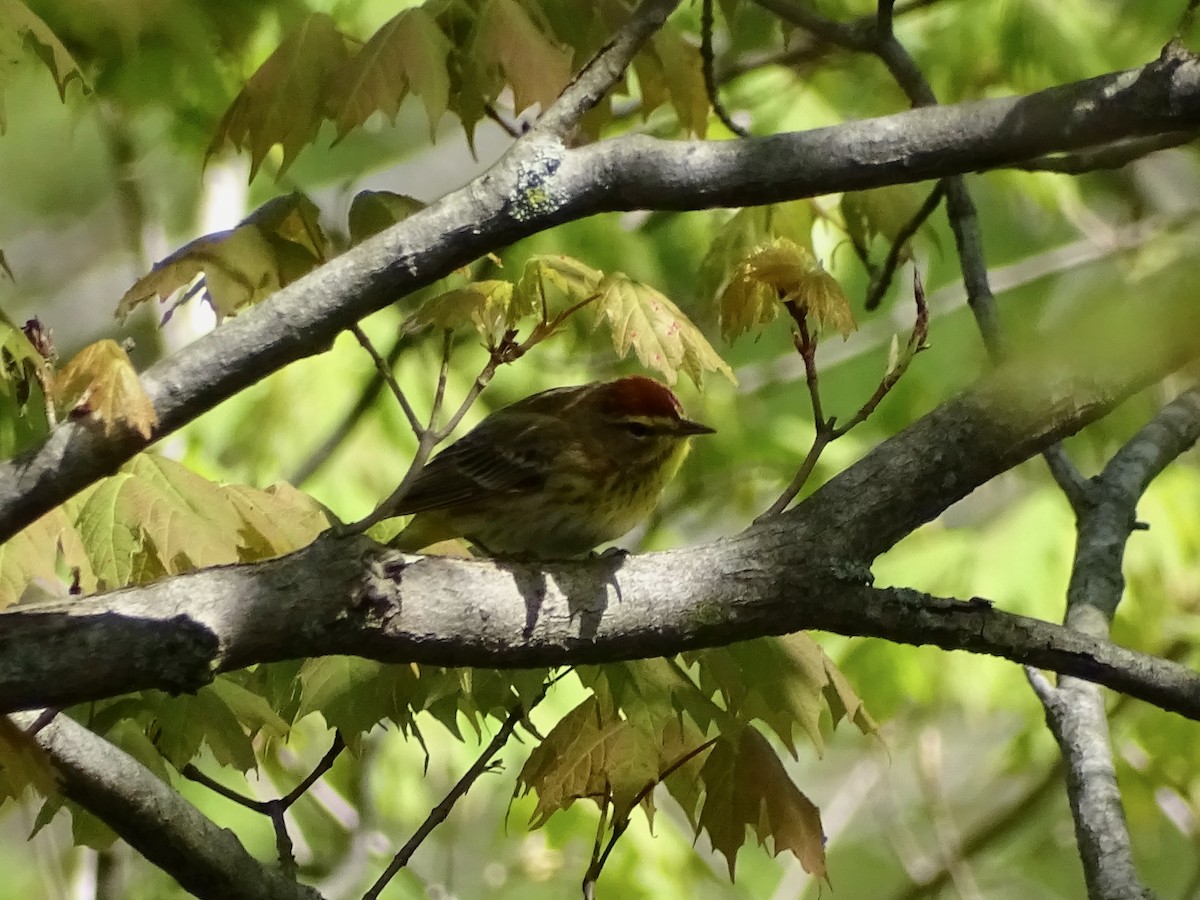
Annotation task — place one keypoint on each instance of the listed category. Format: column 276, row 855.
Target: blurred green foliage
column 962, row 752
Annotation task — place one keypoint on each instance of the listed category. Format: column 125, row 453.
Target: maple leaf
column 373, row 211
column 508, row 40
column 664, row 339
column 575, row 282
column 408, row 53
column 881, row 211
column 270, row 248
column 747, row 229
column 283, row 102
column 21, row 27
column 485, row 304
column 782, row 271
column 101, row 383
column 36, row 552
column 156, row 517
column 591, row 753
column 745, row 785
column 783, row 682
column 682, row 79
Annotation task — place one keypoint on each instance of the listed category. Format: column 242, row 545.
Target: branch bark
column 158, row 822
column 808, row 568
column 1074, row 708
column 541, row 182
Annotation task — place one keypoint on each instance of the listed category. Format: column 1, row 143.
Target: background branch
column 206, row 860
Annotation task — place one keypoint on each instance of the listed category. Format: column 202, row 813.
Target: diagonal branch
column 206, row 860
column 539, row 184
column 807, row 568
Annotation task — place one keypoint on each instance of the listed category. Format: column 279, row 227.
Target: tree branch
column 1106, row 517
column 206, row 860
column 540, row 183
column 807, row 568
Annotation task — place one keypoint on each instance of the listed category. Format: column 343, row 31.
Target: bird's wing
column 475, row 466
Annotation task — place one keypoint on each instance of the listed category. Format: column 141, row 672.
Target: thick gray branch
column 806, row 569
column 541, row 183
column 206, row 860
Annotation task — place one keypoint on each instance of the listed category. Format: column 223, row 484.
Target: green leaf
column 101, row 383
column 745, row 785
column 283, row 102
column 409, row 53
column 591, row 753
column 21, row 28
column 486, row 305
column 533, row 63
column 782, row 271
column 270, row 248
column 354, row 695
column 36, row 553
column 683, row 79
column 749, row 228
column 644, row 320
column 373, row 211
column 181, row 725
column 784, row 682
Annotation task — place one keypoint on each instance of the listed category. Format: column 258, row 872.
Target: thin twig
column 1109, row 156
column 513, row 131
column 438, row 814
column 191, row 773
column 439, row 394
column 827, row 430
column 366, row 400
column 619, row 828
column 273, row 809
column 385, row 371
column 708, row 65
column 881, row 278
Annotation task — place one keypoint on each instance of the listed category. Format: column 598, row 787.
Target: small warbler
column 555, row 474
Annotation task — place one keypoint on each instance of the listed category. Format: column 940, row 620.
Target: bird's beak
column 687, row 426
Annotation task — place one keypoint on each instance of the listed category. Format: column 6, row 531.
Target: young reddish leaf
column 683, row 78
column 20, row 27
column 746, row 785
column 576, row 283
column 535, row 65
column 485, row 304
column 749, row 228
column 101, row 383
column 283, row 102
column 407, row 54
column 782, row 271
column 644, row 320
column 373, row 211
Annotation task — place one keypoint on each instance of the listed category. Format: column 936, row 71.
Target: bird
column 555, row 474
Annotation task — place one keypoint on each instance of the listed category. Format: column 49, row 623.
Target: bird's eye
column 637, row 429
